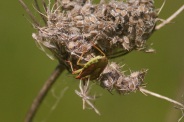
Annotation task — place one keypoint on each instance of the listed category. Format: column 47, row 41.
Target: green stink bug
column 93, row 68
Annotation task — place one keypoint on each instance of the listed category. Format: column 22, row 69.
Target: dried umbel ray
column 116, row 28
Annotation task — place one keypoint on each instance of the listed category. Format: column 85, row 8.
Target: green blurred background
column 24, row 69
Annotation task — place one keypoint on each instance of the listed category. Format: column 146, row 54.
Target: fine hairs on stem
column 116, row 28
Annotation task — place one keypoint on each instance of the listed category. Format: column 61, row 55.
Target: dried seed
column 113, row 13
column 93, row 19
column 123, row 13
column 80, row 23
column 126, row 40
column 77, row 18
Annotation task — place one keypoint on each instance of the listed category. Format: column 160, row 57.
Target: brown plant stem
column 168, row 20
column 38, row 9
column 43, row 92
column 173, row 115
column 29, row 13
column 144, row 91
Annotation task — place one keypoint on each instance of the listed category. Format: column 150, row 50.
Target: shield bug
column 93, row 68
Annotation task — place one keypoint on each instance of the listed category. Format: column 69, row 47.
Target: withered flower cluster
column 83, row 35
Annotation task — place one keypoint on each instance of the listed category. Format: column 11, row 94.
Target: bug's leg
column 99, row 50
column 74, row 71
column 71, row 65
column 78, row 62
column 72, row 53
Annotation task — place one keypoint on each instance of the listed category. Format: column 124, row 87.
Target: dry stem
column 29, row 12
column 43, row 92
column 168, row 20
column 38, row 9
column 160, row 96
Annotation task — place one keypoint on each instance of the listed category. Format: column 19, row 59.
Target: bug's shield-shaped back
column 94, row 69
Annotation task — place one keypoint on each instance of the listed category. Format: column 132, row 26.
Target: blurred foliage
column 24, row 69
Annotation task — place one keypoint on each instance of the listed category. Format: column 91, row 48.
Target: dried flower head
column 112, row 78
column 115, row 27
column 82, row 36
column 74, row 27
